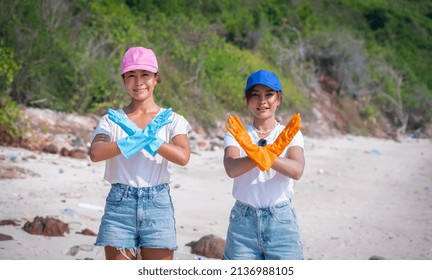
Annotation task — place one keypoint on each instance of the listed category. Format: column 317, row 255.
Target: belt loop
column 243, row 208
column 126, row 191
column 272, row 208
column 272, row 213
column 151, row 192
column 258, row 212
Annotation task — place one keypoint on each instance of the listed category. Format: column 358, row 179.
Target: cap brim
column 140, row 67
column 272, row 86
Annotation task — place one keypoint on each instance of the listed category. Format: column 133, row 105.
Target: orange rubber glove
column 262, row 157
column 286, row 136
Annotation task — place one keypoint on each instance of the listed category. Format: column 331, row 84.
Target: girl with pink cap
column 138, row 142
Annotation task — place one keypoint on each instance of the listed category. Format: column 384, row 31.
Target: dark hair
column 248, row 94
column 159, row 79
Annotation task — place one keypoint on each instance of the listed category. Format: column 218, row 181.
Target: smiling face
column 140, row 83
column 263, row 101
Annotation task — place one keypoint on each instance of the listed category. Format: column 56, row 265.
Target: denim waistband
column 260, row 211
column 141, row 191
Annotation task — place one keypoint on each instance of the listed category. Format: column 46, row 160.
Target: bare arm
column 234, row 164
column 292, row 165
column 178, row 151
column 102, row 149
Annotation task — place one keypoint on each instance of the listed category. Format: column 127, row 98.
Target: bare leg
column 112, row 253
column 156, row 254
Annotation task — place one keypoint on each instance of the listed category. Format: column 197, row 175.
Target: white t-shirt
column 142, row 169
column 263, row 188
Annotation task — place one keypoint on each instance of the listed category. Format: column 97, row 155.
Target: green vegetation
column 9, row 112
column 65, row 55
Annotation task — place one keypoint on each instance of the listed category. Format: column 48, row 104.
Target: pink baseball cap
column 139, row 58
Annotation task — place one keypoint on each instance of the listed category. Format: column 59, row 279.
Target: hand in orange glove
column 286, row 136
column 262, row 157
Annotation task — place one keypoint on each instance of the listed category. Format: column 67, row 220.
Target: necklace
column 264, row 132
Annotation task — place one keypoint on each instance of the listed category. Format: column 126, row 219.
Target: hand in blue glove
column 130, row 127
column 140, row 139
column 160, row 120
column 153, row 128
column 124, row 122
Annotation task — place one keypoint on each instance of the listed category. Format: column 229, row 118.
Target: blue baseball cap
column 263, row 77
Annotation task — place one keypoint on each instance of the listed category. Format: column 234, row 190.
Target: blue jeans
column 269, row 233
column 138, row 217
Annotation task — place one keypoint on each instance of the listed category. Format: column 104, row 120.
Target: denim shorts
column 269, row 233
column 138, row 217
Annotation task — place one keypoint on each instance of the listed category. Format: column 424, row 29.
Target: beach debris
column 50, row 148
column 202, row 145
column 376, row 258
column 74, row 153
column 75, row 249
column 75, row 226
column 14, row 172
column 69, row 195
column 91, row 206
column 8, row 223
column 78, row 154
column 5, row 237
column 64, row 152
column 375, row 151
column 46, row 226
column 87, row 232
column 71, row 212
column 320, row 171
column 30, row 157
column 210, row 246
column 11, row 157
column 50, row 131
column 86, row 247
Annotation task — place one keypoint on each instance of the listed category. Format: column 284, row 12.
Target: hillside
column 348, row 66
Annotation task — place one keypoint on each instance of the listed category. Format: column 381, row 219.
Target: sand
column 358, row 198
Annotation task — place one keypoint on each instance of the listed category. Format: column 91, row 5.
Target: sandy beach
column 359, row 198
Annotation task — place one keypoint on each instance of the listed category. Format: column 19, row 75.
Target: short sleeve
column 179, row 126
column 229, row 140
column 103, row 127
column 298, row 140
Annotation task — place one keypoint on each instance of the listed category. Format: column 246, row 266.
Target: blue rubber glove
column 140, row 139
column 153, row 127
column 129, row 126
column 124, row 122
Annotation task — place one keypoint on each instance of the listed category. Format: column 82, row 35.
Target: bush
column 9, row 111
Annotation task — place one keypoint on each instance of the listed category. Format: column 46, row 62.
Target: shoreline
column 359, row 198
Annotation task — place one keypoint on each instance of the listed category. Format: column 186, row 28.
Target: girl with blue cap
column 264, row 158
